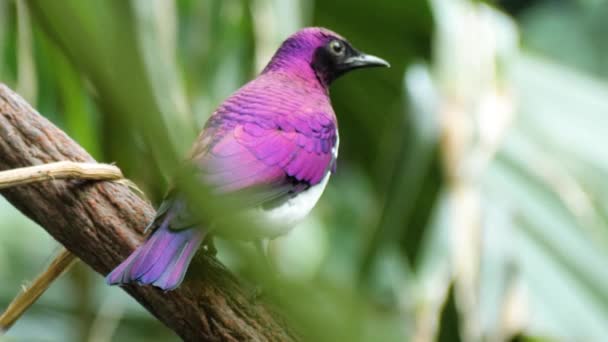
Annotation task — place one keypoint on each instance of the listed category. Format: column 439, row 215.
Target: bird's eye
column 336, row 47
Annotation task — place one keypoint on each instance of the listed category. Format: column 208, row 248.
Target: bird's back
column 275, row 120
column 275, row 139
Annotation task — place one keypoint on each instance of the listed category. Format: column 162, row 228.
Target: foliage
column 469, row 200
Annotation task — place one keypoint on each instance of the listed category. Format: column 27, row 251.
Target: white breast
column 279, row 220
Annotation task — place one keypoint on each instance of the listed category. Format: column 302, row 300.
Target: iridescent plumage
column 275, row 138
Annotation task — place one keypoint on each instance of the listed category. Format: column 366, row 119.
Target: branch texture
column 102, row 222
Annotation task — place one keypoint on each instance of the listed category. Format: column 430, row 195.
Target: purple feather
column 162, row 260
column 274, row 138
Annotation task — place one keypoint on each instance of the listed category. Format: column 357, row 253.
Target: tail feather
column 120, row 274
column 160, row 257
column 150, row 252
column 161, row 261
column 173, row 276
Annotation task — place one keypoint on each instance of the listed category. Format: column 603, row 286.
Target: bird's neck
column 299, row 71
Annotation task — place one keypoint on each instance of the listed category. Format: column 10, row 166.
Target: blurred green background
column 470, row 202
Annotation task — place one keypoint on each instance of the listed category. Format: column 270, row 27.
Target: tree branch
column 102, row 222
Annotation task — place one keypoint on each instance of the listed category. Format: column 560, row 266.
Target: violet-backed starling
column 276, row 138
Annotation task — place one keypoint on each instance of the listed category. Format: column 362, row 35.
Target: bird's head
column 321, row 53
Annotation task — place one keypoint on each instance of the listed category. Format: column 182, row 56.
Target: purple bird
column 275, row 139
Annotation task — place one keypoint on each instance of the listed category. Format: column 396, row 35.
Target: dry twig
column 58, row 170
column 65, row 259
column 30, row 294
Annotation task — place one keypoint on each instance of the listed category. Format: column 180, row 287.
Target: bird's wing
column 252, row 155
column 263, row 161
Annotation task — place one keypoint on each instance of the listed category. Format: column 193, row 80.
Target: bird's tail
column 161, row 261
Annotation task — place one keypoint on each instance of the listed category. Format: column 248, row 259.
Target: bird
column 275, row 139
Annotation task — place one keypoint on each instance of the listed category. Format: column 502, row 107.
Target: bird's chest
column 278, row 220
column 269, row 223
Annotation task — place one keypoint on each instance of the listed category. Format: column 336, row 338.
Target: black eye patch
column 329, row 58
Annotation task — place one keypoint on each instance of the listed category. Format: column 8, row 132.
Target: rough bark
column 102, row 222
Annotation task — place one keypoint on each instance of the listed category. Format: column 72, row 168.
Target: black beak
column 331, row 65
column 361, row 60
